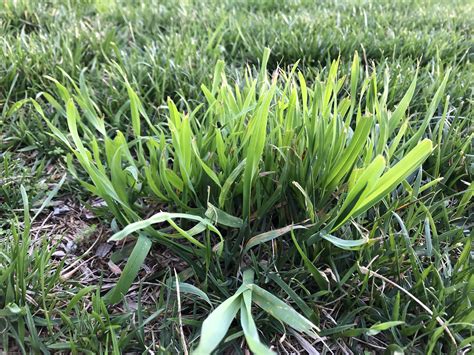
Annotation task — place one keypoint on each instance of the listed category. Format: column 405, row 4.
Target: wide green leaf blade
column 228, row 183
column 159, row 218
column 249, row 327
column 396, row 175
column 220, row 217
column 365, row 183
column 281, row 311
column 267, row 236
column 347, row 160
column 130, row 272
column 343, row 243
column 377, row 328
column 402, row 107
column 193, row 290
column 216, row 325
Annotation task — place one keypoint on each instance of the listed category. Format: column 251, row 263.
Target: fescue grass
column 313, row 196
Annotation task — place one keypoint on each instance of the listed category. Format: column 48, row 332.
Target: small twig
column 371, row 344
column 181, row 332
column 43, row 223
column 66, row 274
column 443, row 324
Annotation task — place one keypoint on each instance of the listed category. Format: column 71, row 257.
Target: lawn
column 239, row 176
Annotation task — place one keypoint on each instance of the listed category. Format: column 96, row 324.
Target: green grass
column 272, row 176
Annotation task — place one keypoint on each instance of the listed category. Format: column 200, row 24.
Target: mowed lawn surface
column 234, row 176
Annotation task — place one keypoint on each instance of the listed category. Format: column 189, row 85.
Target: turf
column 261, row 176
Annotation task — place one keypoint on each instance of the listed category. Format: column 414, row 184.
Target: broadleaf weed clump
column 262, row 158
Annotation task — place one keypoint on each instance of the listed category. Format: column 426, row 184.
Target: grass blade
column 130, row 272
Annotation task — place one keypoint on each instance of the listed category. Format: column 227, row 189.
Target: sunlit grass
column 311, row 196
